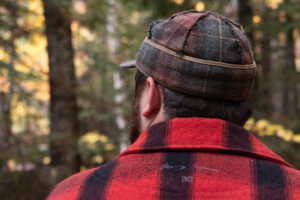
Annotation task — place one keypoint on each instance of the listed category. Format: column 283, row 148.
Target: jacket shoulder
column 70, row 188
column 84, row 185
column 293, row 179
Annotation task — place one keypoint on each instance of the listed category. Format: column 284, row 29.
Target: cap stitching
column 220, row 38
column 213, row 36
column 205, row 79
column 187, row 12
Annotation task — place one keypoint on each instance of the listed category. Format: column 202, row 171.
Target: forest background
column 65, row 105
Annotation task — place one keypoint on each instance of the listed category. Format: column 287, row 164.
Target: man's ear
column 153, row 98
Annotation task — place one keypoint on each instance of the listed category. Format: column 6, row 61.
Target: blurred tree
column 96, row 66
column 245, row 15
column 63, row 88
column 5, row 122
column 265, row 60
column 290, row 101
column 19, row 34
column 10, row 24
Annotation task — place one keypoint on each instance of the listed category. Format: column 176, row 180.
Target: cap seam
column 220, row 39
column 202, row 15
column 211, row 78
column 198, row 60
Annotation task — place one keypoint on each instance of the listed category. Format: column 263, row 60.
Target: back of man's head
column 203, row 64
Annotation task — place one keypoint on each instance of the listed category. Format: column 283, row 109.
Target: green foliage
column 263, row 127
column 284, row 142
column 160, row 8
column 95, row 17
column 96, row 149
column 287, row 150
column 25, row 185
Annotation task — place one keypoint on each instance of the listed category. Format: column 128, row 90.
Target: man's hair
column 183, row 105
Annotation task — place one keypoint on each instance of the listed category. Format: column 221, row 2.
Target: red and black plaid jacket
column 188, row 158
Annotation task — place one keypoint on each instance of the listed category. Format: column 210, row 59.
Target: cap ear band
column 198, row 60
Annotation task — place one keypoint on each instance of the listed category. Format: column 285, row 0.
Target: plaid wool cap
column 198, row 53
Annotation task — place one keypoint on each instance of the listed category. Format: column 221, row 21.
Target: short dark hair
column 183, row 105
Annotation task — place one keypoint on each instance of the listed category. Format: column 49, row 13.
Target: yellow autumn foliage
column 179, row 2
column 273, row 3
column 199, row 6
column 264, row 127
column 97, row 159
column 93, row 137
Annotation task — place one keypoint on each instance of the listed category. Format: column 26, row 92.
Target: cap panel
column 227, row 30
column 209, row 26
column 213, row 39
column 149, row 57
column 231, row 52
column 203, row 47
column 173, row 32
column 245, row 46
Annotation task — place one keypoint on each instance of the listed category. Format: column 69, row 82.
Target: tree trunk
column 266, row 70
column 5, row 97
column 5, row 122
column 290, row 93
column 266, row 61
column 245, row 15
column 64, row 130
column 113, row 46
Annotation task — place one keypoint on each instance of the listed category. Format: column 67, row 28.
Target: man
column 195, row 72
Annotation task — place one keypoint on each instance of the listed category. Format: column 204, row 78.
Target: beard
column 135, row 124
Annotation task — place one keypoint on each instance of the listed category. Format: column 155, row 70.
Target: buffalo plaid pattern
column 188, row 158
column 201, row 35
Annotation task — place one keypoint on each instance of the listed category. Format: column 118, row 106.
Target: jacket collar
column 202, row 135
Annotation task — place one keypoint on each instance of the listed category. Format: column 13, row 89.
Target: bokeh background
column 66, row 108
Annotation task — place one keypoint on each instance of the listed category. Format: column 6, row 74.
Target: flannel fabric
column 199, row 35
column 188, row 158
